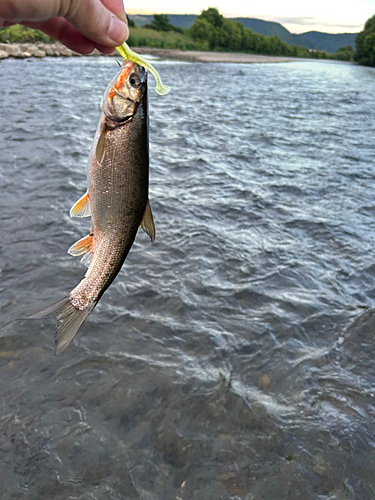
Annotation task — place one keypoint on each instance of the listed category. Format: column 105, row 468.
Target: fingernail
column 121, row 15
column 118, row 31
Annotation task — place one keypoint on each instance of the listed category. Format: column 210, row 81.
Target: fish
column 116, row 199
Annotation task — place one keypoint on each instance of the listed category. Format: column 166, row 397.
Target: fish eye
column 134, row 81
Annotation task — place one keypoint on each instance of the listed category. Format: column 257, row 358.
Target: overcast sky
column 332, row 16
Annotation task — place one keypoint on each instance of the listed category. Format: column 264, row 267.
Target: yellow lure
column 126, row 52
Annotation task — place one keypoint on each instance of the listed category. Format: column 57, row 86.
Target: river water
column 235, row 357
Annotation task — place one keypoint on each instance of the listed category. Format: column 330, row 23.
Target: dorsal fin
column 82, row 207
column 147, row 223
column 84, row 246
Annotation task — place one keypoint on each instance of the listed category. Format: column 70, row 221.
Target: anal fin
column 85, row 247
column 147, row 223
column 82, row 207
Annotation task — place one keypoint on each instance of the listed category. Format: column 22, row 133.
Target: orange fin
column 84, row 246
column 82, row 207
column 147, row 223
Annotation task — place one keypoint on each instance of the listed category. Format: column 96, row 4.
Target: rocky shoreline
column 41, row 50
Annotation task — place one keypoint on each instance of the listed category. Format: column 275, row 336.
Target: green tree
column 131, row 23
column 19, row 34
column 365, row 44
column 203, row 33
column 212, row 16
column 235, row 37
column 345, row 53
column 249, row 40
column 369, row 46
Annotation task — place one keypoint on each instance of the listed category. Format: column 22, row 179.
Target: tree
column 18, row 34
column 131, row 23
column 345, row 53
column 365, row 44
column 203, row 33
column 235, row 38
column 212, row 16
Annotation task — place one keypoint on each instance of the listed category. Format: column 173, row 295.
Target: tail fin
column 69, row 319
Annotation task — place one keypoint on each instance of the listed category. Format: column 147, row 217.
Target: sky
column 298, row 16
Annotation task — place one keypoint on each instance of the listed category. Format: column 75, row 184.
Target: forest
column 211, row 31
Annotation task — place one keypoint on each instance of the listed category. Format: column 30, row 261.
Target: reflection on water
column 235, row 357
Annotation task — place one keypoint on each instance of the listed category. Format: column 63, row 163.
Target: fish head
column 125, row 92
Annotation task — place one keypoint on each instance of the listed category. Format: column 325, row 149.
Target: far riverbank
column 41, row 50
column 221, row 57
column 201, row 56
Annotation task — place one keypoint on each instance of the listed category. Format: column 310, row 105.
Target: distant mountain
column 270, row 28
column 178, row 20
column 328, row 41
column 312, row 39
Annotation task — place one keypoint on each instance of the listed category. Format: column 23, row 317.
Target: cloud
column 133, row 12
column 292, row 20
column 313, row 22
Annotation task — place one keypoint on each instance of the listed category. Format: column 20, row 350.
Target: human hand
column 81, row 25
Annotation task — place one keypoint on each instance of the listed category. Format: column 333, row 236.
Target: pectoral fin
column 100, row 147
column 147, row 223
column 84, row 246
column 82, row 207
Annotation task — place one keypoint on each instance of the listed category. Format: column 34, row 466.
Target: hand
column 81, row 25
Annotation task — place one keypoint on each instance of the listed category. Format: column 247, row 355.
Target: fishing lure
column 126, row 52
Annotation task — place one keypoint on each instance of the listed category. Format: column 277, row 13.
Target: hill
column 312, row 39
column 178, row 20
column 328, row 41
column 270, row 28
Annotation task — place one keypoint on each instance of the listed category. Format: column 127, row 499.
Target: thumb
column 96, row 22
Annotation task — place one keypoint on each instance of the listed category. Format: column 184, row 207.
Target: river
column 234, row 358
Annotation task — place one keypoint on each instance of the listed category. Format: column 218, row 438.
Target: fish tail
column 69, row 318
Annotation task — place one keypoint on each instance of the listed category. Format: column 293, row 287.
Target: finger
column 41, row 10
column 60, row 29
column 97, row 23
column 104, row 49
column 19, row 10
column 117, row 7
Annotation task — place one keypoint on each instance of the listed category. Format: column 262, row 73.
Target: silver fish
column 116, row 199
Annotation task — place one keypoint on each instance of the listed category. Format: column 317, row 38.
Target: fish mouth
column 121, row 120
column 133, row 105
